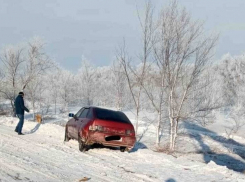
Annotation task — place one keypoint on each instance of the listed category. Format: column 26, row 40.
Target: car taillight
column 129, row 132
column 94, row 128
column 100, row 128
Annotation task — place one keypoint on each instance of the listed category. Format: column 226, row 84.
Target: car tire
column 123, row 149
column 81, row 144
column 66, row 136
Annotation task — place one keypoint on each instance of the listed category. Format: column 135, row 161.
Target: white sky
column 93, row 28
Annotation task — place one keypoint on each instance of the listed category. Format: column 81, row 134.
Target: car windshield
column 111, row 115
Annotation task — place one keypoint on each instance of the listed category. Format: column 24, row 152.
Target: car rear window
column 111, row 115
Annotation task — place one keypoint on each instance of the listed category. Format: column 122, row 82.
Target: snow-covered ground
column 41, row 155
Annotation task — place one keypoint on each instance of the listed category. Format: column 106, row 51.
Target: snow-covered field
column 41, row 155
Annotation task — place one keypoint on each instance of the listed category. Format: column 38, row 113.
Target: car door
column 72, row 126
column 80, row 122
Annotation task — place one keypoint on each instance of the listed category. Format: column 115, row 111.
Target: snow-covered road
column 41, row 155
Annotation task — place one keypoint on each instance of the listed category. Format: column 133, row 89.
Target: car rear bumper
column 99, row 137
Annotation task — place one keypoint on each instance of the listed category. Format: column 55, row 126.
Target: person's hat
column 21, row 93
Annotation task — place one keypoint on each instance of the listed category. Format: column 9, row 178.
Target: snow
column 41, row 155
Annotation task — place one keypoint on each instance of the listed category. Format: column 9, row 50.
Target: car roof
column 96, row 107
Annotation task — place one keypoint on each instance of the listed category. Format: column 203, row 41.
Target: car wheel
column 82, row 146
column 66, row 136
column 122, row 149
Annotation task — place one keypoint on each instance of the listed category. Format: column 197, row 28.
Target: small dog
column 39, row 118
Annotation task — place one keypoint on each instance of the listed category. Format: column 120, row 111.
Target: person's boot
column 16, row 130
column 21, row 134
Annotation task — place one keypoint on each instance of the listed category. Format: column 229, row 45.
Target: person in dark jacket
column 20, row 110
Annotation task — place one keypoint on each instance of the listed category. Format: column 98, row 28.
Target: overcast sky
column 93, row 28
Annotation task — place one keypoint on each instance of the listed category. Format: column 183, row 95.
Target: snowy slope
column 41, row 155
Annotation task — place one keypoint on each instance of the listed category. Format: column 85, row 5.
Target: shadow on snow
column 220, row 159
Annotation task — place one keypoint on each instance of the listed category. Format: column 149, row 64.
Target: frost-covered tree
column 36, row 62
column 66, row 88
column 182, row 54
column 11, row 64
column 86, row 82
column 119, row 81
column 232, row 72
column 135, row 75
column 21, row 65
column 34, row 92
column 53, row 89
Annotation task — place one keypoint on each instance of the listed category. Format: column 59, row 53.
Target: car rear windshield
column 111, row 115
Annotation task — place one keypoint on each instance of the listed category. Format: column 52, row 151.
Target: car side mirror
column 71, row 115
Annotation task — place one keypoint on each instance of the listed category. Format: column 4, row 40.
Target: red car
column 103, row 126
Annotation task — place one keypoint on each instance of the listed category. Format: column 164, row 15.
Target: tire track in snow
column 120, row 165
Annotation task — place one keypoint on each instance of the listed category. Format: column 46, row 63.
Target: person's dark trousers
column 19, row 127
